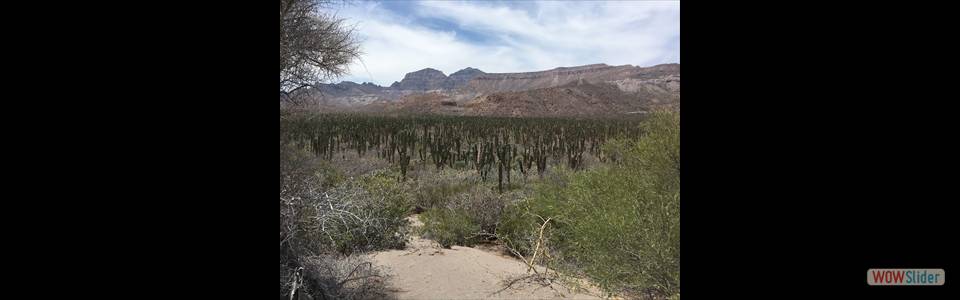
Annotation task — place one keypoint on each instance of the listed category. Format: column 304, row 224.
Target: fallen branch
column 297, row 278
column 533, row 259
column 358, row 278
column 541, row 279
column 511, row 283
column 357, row 268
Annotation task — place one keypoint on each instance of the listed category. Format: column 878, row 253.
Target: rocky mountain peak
column 467, row 71
column 428, row 72
column 423, row 80
column 460, row 78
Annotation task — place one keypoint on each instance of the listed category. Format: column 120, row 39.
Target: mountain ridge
column 577, row 90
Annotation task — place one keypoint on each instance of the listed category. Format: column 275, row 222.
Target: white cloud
column 539, row 36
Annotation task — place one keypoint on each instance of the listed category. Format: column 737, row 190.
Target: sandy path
column 426, row 271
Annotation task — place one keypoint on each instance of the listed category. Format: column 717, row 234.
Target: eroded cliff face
column 577, row 99
column 597, row 73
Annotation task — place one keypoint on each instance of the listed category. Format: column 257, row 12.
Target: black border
column 800, row 148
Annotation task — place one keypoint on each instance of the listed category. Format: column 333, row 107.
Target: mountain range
column 589, row 90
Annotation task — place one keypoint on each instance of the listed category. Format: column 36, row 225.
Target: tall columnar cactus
column 446, row 141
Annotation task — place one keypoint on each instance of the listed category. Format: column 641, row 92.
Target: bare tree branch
column 314, row 46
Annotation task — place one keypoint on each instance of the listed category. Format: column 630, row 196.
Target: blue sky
column 508, row 36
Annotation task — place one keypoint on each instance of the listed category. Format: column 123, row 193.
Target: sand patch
column 427, row 271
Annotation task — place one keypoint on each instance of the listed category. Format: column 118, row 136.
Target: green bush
column 482, row 204
column 449, row 227
column 618, row 224
column 368, row 214
column 437, row 189
column 301, row 170
column 613, row 150
column 382, row 183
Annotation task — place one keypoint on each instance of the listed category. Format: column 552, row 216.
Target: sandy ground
column 426, row 271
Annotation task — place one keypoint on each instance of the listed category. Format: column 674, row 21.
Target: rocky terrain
column 590, row 90
column 504, row 82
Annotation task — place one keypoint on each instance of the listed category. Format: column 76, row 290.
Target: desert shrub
column 382, row 183
column 350, row 164
column 449, row 227
column 476, row 211
column 518, row 229
column 435, row 189
column 345, row 219
column 619, row 224
column 436, row 195
column 481, row 204
column 301, row 171
column 613, row 150
column 354, row 215
column 334, row 277
column 301, row 178
column 360, row 215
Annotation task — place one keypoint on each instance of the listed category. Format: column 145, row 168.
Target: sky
column 398, row 37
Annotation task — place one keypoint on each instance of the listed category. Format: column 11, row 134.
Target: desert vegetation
column 324, row 218
column 590, row 197
column 483, row 143
column 619, row 224
column 603, row 203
